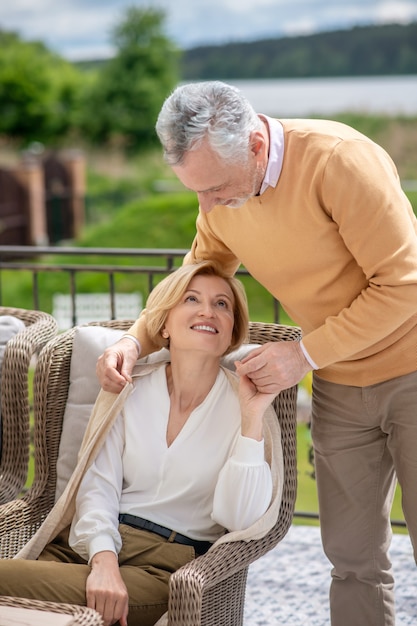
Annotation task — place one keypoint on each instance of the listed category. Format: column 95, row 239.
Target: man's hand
column 105, row 589
column 274, row 366
column 115, row 365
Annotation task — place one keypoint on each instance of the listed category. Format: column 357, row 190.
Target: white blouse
column 209, row 479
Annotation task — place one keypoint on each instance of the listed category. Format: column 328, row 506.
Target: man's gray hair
column 207, row 110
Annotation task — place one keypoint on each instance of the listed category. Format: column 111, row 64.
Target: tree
column 129, row 90
column 39, row 91
column 359, row 51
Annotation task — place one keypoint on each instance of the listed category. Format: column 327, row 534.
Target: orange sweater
column 336, row 243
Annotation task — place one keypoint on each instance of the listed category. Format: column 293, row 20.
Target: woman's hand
column 105, row 589
column 253, row 404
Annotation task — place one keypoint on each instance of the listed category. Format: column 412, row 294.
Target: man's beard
column 238, row 202
column 257, row 179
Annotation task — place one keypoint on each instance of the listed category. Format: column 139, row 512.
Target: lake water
column 326, row 96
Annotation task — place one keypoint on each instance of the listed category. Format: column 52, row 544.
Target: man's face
column 215, row 182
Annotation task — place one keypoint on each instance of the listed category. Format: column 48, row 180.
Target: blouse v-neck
column 196, row 415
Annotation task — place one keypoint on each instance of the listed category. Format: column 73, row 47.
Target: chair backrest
column 37, row 328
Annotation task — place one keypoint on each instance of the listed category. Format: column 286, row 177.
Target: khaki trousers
column 364, row 438
column 59, row 575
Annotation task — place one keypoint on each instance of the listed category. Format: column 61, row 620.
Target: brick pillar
column 74, row 163
column 30, row 174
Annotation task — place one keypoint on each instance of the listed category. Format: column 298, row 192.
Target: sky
column 80, row 29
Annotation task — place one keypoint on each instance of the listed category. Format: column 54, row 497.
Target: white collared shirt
column 276, row 153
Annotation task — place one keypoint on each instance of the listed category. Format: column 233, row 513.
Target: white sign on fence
column 95, row 307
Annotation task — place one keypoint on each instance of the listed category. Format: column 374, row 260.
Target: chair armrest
column 15, row 410
column 19, row 520
column 81, row 615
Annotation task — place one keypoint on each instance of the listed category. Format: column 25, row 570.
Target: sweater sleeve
column 138, row 330
column 363, row 196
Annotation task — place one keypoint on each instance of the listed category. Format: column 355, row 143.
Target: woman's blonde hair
column 168, row 293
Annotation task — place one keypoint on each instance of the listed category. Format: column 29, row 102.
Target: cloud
column 72, row 28
column 396, row 11
column 81, row 28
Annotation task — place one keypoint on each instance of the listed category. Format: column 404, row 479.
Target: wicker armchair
column 18, row 353
column 80, row 615
column 210, row 590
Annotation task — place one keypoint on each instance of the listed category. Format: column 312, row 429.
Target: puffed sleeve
column 244, row 487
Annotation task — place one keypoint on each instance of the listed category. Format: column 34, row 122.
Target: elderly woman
column 166, row 467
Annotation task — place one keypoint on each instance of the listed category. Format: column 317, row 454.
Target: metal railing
column 148, row 262
column 45, row 260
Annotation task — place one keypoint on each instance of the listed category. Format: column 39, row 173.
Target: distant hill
column 360, row 51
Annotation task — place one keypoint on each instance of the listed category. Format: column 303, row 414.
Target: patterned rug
column 289, row 585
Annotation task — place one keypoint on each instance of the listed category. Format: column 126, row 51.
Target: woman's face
column 203, row 320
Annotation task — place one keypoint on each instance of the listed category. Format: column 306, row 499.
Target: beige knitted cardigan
column 105, row 411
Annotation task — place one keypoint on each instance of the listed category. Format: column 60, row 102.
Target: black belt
column 138, row 522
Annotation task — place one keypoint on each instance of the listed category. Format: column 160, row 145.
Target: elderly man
column 315, row 211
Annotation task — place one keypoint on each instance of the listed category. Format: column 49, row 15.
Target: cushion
column 9, row 327
column 89, row 343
